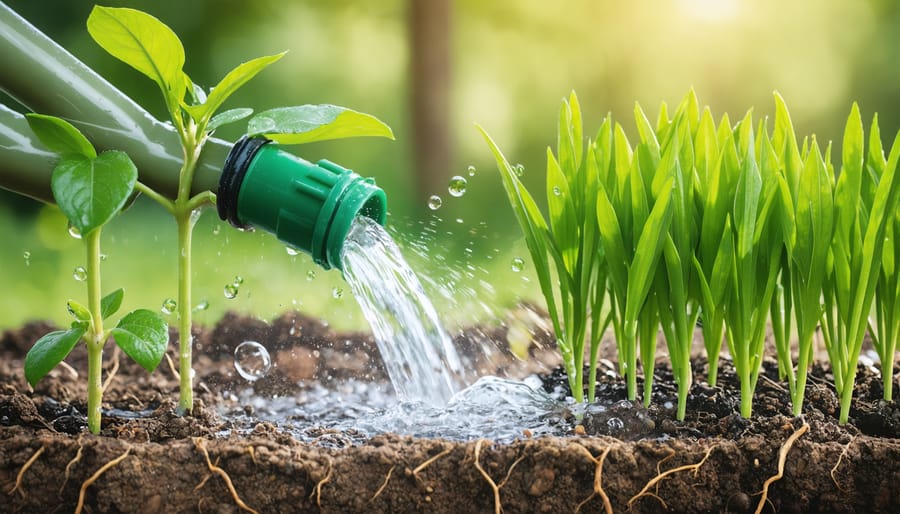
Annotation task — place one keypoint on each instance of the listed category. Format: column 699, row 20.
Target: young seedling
column 569, row 244
column 152, row 48
column 91, row 189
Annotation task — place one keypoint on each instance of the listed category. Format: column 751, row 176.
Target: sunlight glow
column 710, row 10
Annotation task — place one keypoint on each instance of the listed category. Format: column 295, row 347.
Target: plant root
column 70, row 464
column 172, row 368
column 422, row 466
column 111, row 374
column 93, row 478
column 22, row 471
column 598, row 480
column 318, row 490
column 659, row 477
column 782, row 456
column 837, row 465
column 496, row 490
column 200, row 444
column 384, row 484
column 68, row 367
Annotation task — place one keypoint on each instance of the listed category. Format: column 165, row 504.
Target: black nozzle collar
column 236, row 165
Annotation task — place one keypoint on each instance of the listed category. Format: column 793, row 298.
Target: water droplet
column 169, row 305
column 337, row 292
column 471, row 170
column 291, row 251
column 230, row 291
column 615, row 424
column 519, row 169
column 80, row 274
column 518, row 264
column 216, row 230
column 103, row 256
column 74, row 232
column 459, row 220
column 251, row 360
column 27, row 255
column 557, row 191
column 435, row 202
column 457, row 186
column 202, row 306
column 238, row 280
column 310, row 275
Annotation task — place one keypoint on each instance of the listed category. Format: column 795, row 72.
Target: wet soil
column 620, row 456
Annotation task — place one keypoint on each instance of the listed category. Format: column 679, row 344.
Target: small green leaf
column 60, row 136
column 143, row 335
column 228, row 85
column 91, row 191
column 308, row 123
column 80, row 312
column 111, row 303
column 144, row 43
column 226, row 117
column 49, row 351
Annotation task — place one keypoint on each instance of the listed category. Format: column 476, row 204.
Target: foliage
column 91, row 189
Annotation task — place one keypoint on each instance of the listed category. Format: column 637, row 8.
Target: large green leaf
column 111, row 303
column 49, row 351
column 308, row 123
column 228, row 85
column 563, row 220
column 226, row 117
column 144, row 43
column 60, row 136
column 143, row 335
column 91, row 191
column 646, row 255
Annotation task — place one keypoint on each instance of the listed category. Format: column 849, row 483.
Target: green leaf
column 563, row 222
column 111, row 303
column 143, row 335
column 91, row 191
column 646, row 255
column 228, row 85
column 226, row 117
column 308, row 123
column 78, row 311
column 49, row 351
column 60, row 136
column 144, row 43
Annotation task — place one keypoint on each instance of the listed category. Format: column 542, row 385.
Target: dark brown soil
column 628, row 458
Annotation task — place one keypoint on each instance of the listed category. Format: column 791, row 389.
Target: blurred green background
column 430, row 69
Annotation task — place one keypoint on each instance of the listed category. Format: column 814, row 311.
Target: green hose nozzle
column 308, row 206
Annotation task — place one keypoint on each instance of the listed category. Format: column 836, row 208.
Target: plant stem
column 185, row 339
column 96, row 336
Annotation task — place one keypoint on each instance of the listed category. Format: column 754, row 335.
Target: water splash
column 418, row 354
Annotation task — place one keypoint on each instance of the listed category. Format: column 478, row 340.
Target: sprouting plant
column 152, row 48
column 866, row 206
column 91, row 189
column 569, row 243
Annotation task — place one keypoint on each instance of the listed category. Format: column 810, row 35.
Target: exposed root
column 318, row 490
column 782, row 455
column 383, row 484
column 22, row 471
column 70, row 464
column 252, row 453
column 111, row 374
column 206, row 478
column 429, row 462
column 93, row 478
column 509, row 472
column 68, row 367
column 173, row 369
column 689, row 467
column 598, row 480
column 200, row 443
column 835, row 468
column 497, row 508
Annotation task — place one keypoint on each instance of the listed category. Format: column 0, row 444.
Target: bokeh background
column 430, row 69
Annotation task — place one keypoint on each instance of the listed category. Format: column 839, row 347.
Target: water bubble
column 310, row 275
column 557, row 191
column 27, row 255
column 519, row 169
column 230, row 291
column 251, row 360
column 337, row 292
column 434, row 202
column 238, row 280
column 74, row 232
column 103, row 256
column 80, row 274
column 169, row 305
column 457, row 186
column 202, row 306
column 291, row 251
column 471, row 170
column 615, row 424
column 518, row 264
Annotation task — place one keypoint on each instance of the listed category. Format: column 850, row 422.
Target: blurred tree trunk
column 429, row 29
